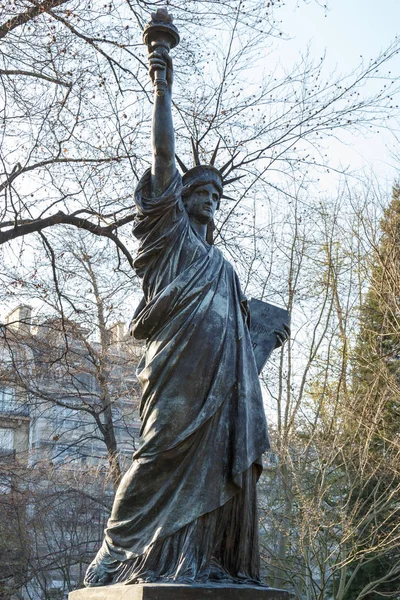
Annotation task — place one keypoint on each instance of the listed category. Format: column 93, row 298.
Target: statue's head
column 200, row 175
column 203, row 185
column 202, row 191
column 201, row 194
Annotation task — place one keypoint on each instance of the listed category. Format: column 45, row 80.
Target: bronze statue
column 186, row 509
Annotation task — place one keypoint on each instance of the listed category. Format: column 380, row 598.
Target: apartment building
column 68, row 420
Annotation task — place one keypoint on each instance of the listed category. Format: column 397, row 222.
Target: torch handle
column 160, row 80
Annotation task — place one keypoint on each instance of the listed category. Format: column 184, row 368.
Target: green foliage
column 377, row 407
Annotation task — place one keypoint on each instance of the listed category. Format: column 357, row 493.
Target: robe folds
column 203, row 424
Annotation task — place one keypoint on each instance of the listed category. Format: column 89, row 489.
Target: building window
column 6, row 439
column 5, row 487
column 7, row 396
column 9, row 404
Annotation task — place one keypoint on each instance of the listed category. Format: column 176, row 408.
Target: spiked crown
column 201, row 174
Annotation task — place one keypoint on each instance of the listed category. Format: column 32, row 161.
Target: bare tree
column 52, row 520
column 77, row 365
column 331, row 500
column 74, row 141
column 77, row 102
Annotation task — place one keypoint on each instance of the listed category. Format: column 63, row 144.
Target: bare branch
column 30, row 14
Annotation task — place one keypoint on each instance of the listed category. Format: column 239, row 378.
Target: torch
column 160, row 34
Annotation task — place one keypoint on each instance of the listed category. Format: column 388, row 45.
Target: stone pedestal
column 164, row 591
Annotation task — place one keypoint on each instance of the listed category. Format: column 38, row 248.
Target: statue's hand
column 282, row 335
column 161, row 60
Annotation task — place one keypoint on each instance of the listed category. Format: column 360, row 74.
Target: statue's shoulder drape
column 203, row 422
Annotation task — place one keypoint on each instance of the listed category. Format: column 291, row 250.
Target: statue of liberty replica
column 185, row 511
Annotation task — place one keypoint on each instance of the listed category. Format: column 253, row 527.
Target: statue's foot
column 148, row 578
column 100, row 571
column 219, row 576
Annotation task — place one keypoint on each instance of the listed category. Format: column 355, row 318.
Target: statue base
column 175, row 591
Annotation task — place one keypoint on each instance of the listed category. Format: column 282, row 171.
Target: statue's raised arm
column 160, row 35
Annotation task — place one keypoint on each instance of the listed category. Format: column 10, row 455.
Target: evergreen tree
column 377, row 367
column 376, row 394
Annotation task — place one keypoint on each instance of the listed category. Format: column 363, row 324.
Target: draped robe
column 203, row 424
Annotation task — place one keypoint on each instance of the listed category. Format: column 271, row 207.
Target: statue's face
column 202, row 203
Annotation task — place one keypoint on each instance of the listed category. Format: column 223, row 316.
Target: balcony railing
column 11, row 407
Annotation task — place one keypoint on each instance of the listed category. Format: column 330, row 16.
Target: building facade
column 69, row 425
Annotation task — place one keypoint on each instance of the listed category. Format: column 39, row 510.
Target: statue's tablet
column 265, row 319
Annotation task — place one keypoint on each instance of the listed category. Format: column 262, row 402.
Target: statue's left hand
column 282, row 335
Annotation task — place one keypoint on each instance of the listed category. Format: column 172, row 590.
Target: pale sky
column 348, row 31
column 348, row 28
